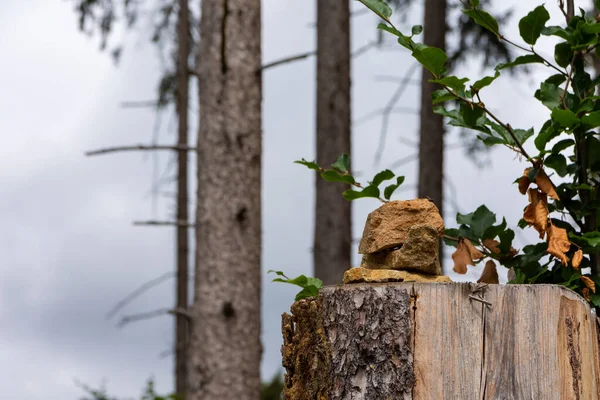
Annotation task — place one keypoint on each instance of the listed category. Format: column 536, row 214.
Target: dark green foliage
column 272, row 390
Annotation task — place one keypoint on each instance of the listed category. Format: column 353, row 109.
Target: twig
column 288, row 60
column 402, row 161
column 479, row 299
column 164, row 223
column 381, row 111
column 137, row 292
column 181, row 311
column 139, row 147
column 387, row 111
column 142, row 103
column 142, row 316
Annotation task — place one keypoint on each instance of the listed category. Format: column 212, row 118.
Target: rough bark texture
column 225, row 348
column 431, row 142
column 349, row 344
column 181, row 321
column 431, row 341
column 333, row 228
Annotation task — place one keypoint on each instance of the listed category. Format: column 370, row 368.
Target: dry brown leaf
column 536, row 212
column 545, row 185
column 524, row 182
column 461, row 258
column 558, row 243
column 492, row 245
column 589, row 283
column 577, row 258
column 586, row 293
column 473, row 251
column 489, row 274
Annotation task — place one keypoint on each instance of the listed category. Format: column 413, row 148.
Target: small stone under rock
column 356, row 275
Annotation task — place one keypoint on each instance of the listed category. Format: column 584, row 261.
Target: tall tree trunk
column 431, row 143
column 333, row 228
column 181, row 322
column 225, row 348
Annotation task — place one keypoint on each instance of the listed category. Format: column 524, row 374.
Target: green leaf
column 442, row 95
column 549, row 95
column 486, row 81
column 483, row 19
column 369, row 191
column 562, row 145
column 494, row 230
column 382, row 176
column 390, row 29
column 591, row 120
column 379, row 7
column 432, row 58
column 309, row 164
column 530, row 26
column 473, row 116
column 589, row 28
column 417, row 29
column 597, row 4
column 479, row 221
column 342, row 164
column 556, row 79
column 519, row 278
column 331, row 175
column 590, row 241
column 308, row 291
column 566, row 118
column 453, row 233
column 475, row 3
column 526, row 59
column 563, row 54
column 556, row 31
column 388, row 191
column 557, row 162
column 452, row 82
column 547, row 133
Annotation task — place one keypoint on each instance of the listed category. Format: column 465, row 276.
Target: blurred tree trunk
column 181, row 98
column 333, row 228
column 225, row 348
column 431, row 143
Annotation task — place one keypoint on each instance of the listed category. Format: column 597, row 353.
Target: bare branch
column 181, row 311
column 403, row 161
column 142, row 316
column 137, row 292
column 361, row 50
column 397, row 79
column 142, row 103
column 164, row 223
column 387, row 111
column 288, row 60
column 139, row 147
column 382, row 111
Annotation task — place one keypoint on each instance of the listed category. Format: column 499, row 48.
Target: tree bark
column 431, row 341
column 333, row 228
column 181, row 321
column 225, row 348
column 431, row 142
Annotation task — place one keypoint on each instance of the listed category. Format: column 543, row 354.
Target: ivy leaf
column 379, row 7
column 309, row 164
column 382, row 176
column 563, row 54
column 530, row 26
column 591, row 120
column 369, row 191
column 483, row 19
column 342, row 164
column 331, row 175
column 566, row 118
column 526, row 59
column 432, row 58
column 486, row 81
column 452, row 82
column 479, row 220
column 388, row 191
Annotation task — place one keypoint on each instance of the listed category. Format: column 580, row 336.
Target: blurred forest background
column 96, row 304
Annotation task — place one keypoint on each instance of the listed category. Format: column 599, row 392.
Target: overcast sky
column 68, row 250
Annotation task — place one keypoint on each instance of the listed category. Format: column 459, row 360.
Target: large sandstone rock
column 388, row 226
column 419, row 253
column 357, row 275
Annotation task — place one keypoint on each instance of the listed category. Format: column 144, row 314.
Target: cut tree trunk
column 225, row 348
column 431, row 341
column 333, row 227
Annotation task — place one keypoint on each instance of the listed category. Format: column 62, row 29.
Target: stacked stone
column 400, row 242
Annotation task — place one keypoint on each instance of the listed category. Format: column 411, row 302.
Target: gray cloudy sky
column 68, row 250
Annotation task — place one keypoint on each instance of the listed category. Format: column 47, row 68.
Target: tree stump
column 432, row 341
